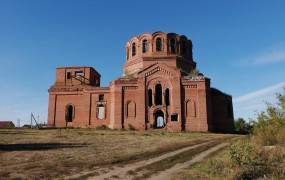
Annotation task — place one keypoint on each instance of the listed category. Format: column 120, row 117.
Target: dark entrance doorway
column 159, row 119
column 69, row 113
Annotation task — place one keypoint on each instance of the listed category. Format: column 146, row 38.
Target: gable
column 158, row 67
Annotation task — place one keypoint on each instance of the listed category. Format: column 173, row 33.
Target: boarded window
column 190, row 108
column 101, row 112
column 131, row 109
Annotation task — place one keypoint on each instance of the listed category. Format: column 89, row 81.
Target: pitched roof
column 4, row 124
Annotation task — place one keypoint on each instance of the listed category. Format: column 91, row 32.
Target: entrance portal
column 159, row 119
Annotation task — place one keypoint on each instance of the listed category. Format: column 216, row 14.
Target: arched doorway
column 159, row 121
column 69, row 113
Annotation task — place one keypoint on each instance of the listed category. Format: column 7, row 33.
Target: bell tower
column 169, row 48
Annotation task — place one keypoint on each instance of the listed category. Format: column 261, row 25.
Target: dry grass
column 46, row 154
column 261, row 162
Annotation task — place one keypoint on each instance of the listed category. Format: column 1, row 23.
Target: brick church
column 159, row 89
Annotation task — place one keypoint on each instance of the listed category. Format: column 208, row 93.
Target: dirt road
column 159, row 167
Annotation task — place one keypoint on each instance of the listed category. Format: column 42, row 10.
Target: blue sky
column 240, row 45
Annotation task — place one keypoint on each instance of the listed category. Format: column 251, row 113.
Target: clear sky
column 240, row 45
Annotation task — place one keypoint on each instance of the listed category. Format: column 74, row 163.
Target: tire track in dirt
column 136, row 170
column 166, row 175
column 122, row 172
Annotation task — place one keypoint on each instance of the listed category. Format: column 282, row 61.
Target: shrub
column 270, row 125
column 242, row 152
column 254, row 161
column 215, row 166
column 266, row 136
column 267, row 163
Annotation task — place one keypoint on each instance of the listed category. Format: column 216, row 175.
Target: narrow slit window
column 167, row 97
column 150, row 97
column 133, row 49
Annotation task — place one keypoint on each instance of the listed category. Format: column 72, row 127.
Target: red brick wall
column 196, row 106
column 195, row 93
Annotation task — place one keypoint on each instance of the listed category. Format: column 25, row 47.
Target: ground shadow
column 38, row 146
column 17, row 132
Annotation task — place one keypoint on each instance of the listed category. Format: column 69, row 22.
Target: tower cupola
column 170, row 48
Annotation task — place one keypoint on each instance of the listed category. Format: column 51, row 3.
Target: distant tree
column 242, row 127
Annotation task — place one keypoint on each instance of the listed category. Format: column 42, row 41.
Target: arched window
column 133, row 49
column 69, row 113
column 172, row 46
column 158, row 94
column 149, row 97
column 167, row 97
column 190, row 108
column 131, row 109
column 158, row 44
column 144, row 46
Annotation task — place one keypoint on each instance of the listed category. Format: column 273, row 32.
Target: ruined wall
column 222, row 111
